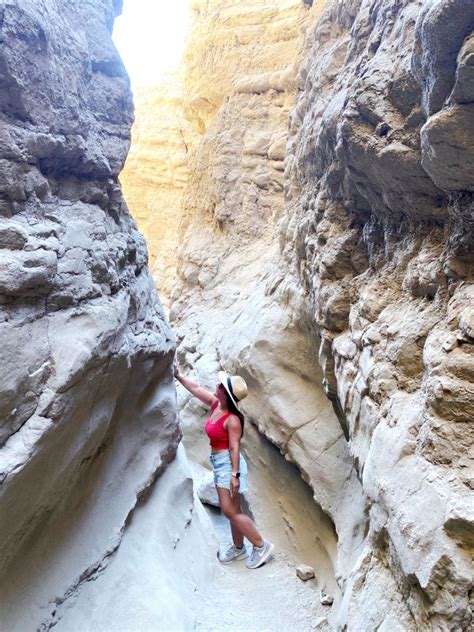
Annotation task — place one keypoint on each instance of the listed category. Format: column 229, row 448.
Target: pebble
column 305, row 572
column 325, row 599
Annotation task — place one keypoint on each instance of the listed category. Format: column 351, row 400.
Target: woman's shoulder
column 233, row 419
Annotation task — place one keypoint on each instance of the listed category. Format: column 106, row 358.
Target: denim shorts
column 222, row 468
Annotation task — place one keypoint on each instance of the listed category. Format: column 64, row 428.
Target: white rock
column 305, row 572
column 206, row 491
column 325, row 599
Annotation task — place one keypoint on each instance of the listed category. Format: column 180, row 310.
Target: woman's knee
column 228, row 510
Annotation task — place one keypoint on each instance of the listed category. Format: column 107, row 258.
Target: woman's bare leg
column 240, row 523
column 237, row 535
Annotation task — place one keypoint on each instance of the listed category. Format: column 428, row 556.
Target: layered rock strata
column 156, row 174
column 379, row 177
column 371, row 274
column 86, row 396
column 234, row 305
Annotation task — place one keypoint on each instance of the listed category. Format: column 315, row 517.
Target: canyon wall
column 380, row 170
column 86, row 391
column 331, row 267
column 156, row 174
column 235, row 304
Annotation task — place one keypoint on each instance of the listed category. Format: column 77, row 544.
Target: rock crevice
column 346, row 278
column 309, row 215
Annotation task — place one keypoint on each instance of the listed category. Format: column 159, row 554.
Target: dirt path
column 165, row 577
column 268, row 599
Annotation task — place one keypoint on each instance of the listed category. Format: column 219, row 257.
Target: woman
column 224, row 428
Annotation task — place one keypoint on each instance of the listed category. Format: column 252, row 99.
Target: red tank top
column 218, row 435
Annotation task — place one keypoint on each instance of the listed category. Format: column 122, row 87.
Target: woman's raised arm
column 205, row 396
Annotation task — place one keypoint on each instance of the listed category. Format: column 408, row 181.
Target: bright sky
column 150, row 36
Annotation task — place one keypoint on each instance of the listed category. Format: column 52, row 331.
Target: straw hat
column 234, row 385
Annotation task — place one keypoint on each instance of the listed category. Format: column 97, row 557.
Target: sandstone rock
column 389, row 353
column 138, row 587
column 442, row 29
column 325, row 599
column 463, row 91
column 305, row 572
column 376, row 225
column 253, row 47
column 156, row 172
column 460, row 520
column 358, row 258
column 447, row 148
column 259, row 328
column 206, row 491
column 87, row 402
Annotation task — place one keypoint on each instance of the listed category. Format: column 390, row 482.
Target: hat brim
column 222, row 375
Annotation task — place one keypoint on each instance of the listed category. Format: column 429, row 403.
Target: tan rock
column 155, row 174
column 331, row 267
column 325, row 599
column 305, row 572
column 393, row 353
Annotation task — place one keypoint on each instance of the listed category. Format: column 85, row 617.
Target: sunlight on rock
column 299, row 190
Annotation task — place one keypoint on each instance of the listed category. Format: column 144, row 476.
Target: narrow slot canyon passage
column 282, row 190
column 282, row 506
column 158, row 186
column 274, row 247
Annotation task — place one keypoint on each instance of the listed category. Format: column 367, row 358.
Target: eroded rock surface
column 332, row 267
column 368, row 270
column 86, row 395
column 235, row 305
column 156, row 173
column 379, row 224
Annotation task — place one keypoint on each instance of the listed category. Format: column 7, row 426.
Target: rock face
column 342, row 289
column 379, row 225
column 86, row 394
column 156, row 173
column 235, row 305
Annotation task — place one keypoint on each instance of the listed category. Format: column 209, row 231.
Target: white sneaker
column 260, row 556
column 232, row 554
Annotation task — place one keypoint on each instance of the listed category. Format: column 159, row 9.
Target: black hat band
column 231, row 391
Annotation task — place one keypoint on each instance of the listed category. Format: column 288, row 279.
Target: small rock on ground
column 305, row 572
